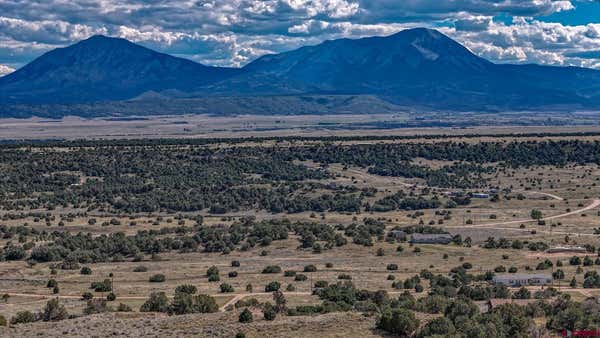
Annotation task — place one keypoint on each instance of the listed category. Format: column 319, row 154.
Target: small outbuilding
column 431, row 238
column 567, row 249
column 523, row 279
column 398, row 235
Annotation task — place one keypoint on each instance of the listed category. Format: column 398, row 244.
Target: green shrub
column 269, row 312
column 321, row 284
column 54, row 311
column 205, row 304
column 272, row 269
column 246, row 316
column 273, row 286
column 124, row 308
column 438, row 327
column 157, row 278
column 400, row 322
column 418, row 288
column 104, row 286
column 575, row 260
column 182, row 303
column 213, row 270
column 300, row 278
column 249, row 302
column 225, row 288
column 310, row 268
column 156, row 302
column 302, row 310
column 522, row 293
column 140, row 268
column 186, row 288
column 96, row 306
column 22, row 317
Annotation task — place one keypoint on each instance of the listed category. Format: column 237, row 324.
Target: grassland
column 567, row 196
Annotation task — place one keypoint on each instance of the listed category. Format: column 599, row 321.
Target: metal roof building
column 431, row 238
column 523, row 279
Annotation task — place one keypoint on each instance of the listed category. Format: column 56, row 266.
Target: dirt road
column 556, row 197
column 595, row 203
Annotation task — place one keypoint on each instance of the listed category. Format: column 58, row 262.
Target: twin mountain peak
column 415, row 67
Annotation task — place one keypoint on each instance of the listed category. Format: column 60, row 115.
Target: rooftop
column 523, row 276
column 430, row 236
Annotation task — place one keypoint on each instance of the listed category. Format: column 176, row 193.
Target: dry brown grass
column 576, row 184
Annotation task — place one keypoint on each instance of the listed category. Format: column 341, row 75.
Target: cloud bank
column 234, row 32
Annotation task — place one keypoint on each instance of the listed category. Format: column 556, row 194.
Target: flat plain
column 315, row 207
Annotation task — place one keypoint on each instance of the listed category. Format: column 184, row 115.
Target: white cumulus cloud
column 234, row 32
column 5, row 70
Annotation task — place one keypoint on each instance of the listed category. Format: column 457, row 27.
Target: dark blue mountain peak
column 105, row 39
column 414, row 67
column 103, row 68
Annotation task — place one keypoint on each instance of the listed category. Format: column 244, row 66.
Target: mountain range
column 414, row 69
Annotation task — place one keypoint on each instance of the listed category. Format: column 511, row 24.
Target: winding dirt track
column 595, row 203
column 556, row 197
column 37, row 295
column 235, row 299
column 241, row 296
column 496, row 225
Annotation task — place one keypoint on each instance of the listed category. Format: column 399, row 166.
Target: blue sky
column 234, row 32
column 584, row 12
